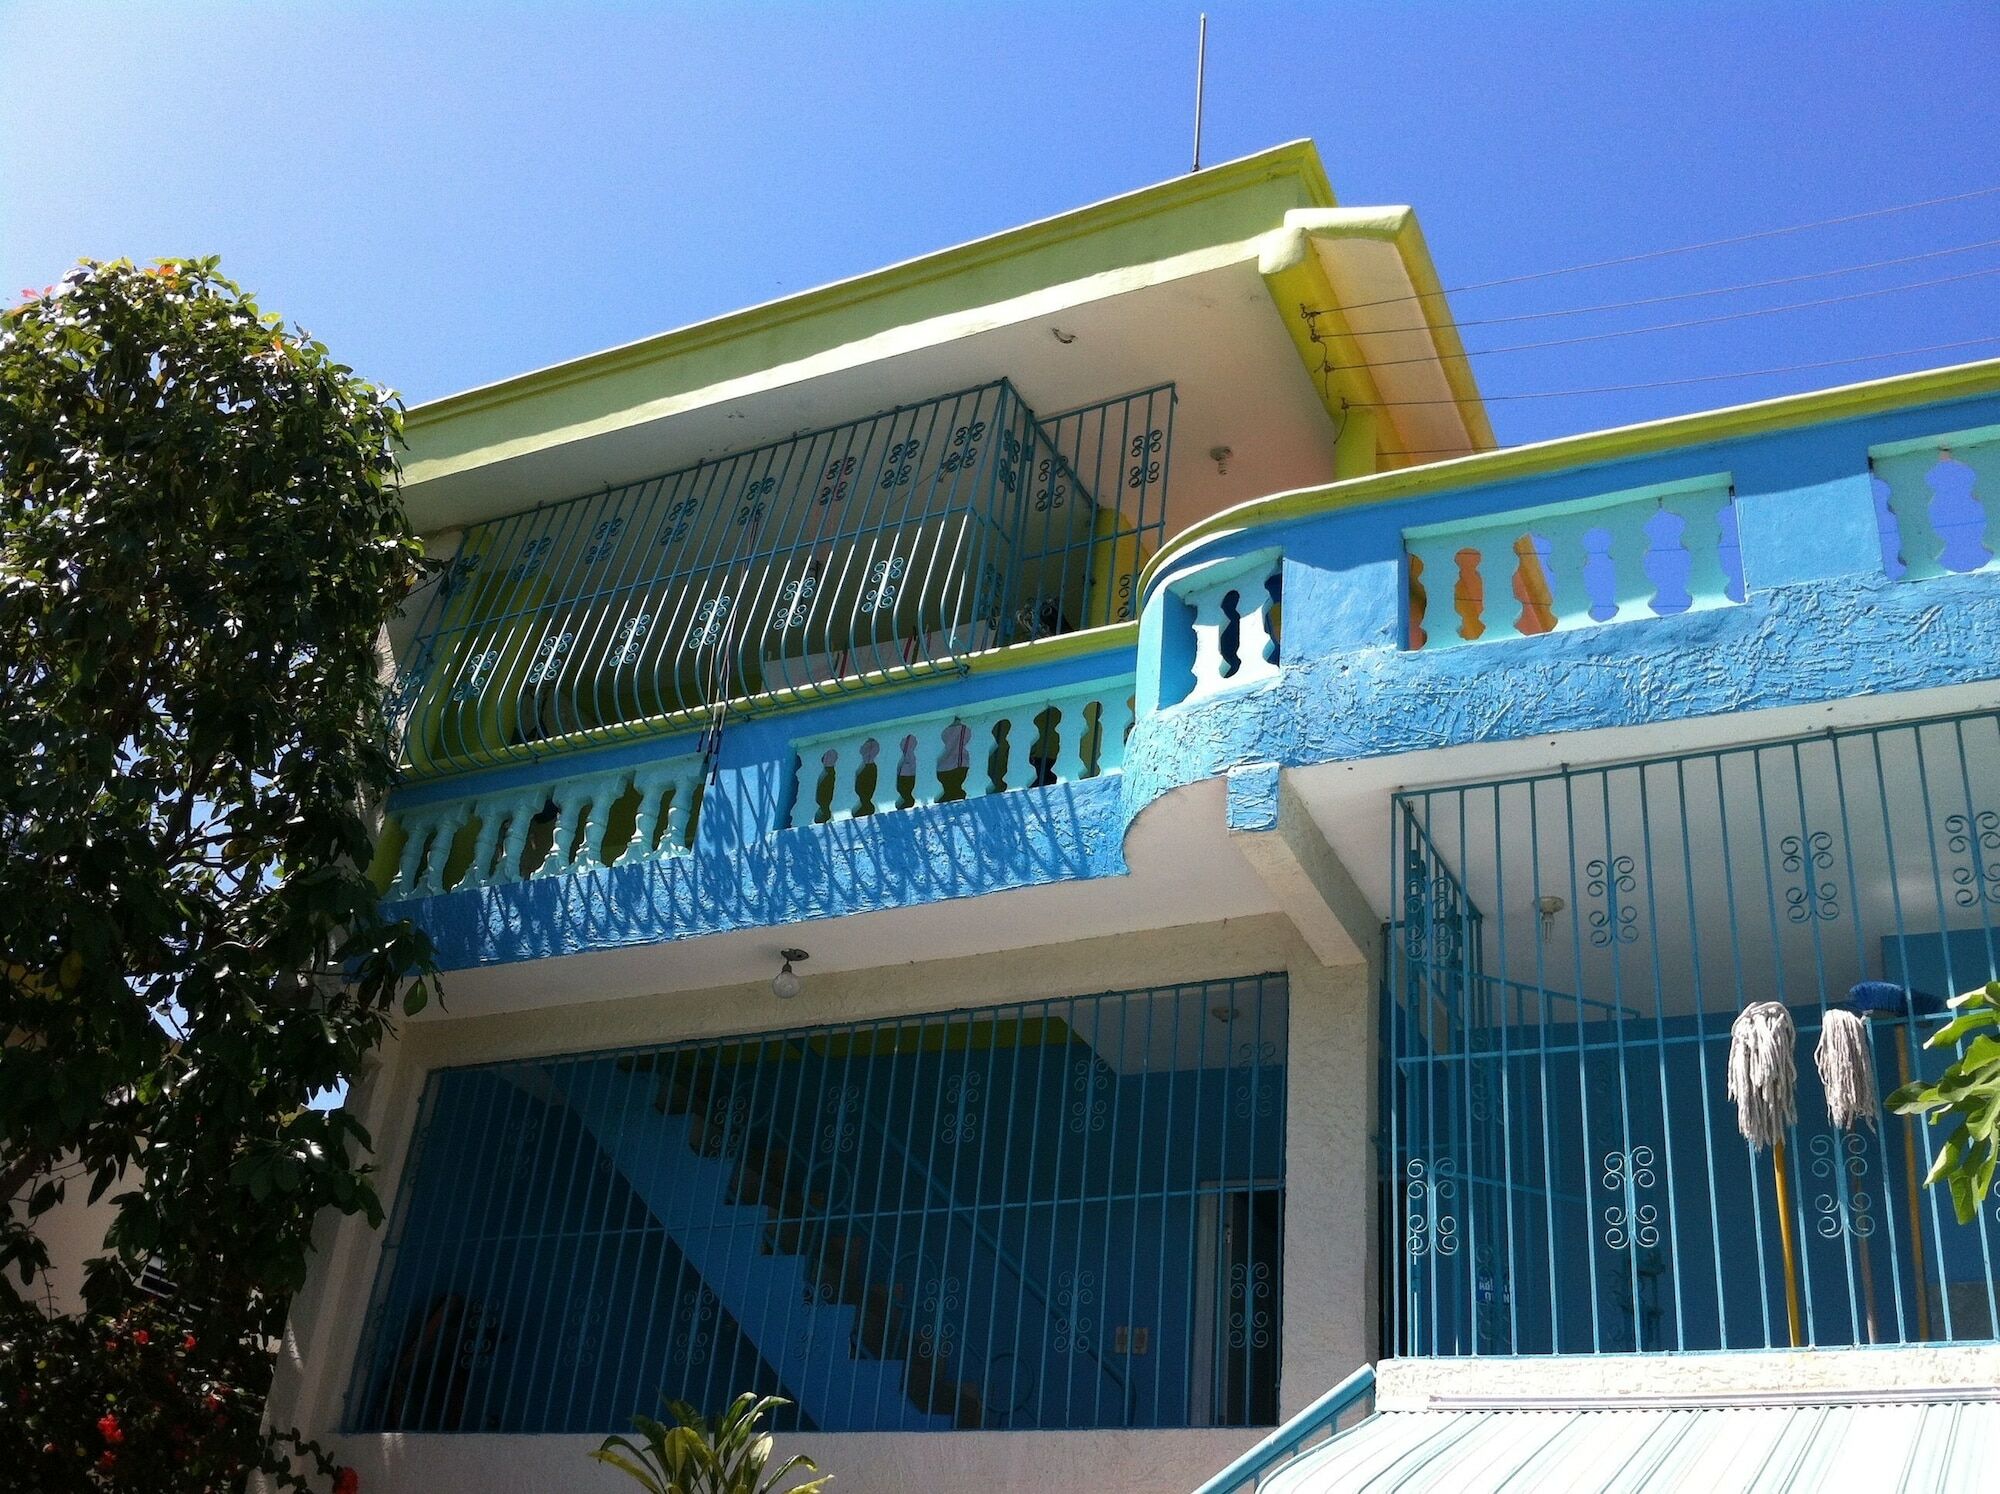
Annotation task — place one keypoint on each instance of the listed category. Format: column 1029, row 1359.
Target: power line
column 1701, row 321
column 1687, row 295
column 1748, row 373
column 1632, row 259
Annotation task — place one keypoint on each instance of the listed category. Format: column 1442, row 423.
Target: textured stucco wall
column 1328, row 1303
column 1821, row 623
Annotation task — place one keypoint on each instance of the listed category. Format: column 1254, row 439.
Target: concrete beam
column 1277, row 835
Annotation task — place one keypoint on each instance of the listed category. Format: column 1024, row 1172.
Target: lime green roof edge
column 1297, row 160
column 1958, row 381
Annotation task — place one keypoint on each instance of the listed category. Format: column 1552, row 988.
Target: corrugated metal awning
column 1936, row 1447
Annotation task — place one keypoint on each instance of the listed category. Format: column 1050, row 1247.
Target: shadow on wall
column 738, row 876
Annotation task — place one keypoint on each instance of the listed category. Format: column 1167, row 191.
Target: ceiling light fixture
column 785, row 984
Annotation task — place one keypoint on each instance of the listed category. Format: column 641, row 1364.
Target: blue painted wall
column 1821, row 622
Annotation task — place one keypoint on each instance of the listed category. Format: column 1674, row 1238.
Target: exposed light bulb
column 786, row 983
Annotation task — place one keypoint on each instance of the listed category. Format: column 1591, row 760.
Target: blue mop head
column 1887, row 997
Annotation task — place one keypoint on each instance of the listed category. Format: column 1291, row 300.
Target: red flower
column 107, row 1459
column 347, row 1481
column 142, row 1337
column 188, row 1343
column 109, row 1430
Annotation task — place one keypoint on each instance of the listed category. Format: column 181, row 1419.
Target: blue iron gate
column 1568, row 953
column 1055, row 1214
column 892, row 544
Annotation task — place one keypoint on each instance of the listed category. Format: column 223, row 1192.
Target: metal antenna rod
column 1200, row 70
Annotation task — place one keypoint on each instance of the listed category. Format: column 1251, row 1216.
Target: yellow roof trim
column 1957, row 381
column 1298, row 159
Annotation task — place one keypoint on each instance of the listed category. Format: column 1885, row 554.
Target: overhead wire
column 1651, row 254
column 1748, row 373
column 1637, row 301
column 1704, row 321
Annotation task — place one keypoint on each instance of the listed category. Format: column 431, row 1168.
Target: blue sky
column 450, row 193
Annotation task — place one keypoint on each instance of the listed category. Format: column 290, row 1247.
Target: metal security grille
column 892, row 544
column 1568, row 953
column 1056, row 1214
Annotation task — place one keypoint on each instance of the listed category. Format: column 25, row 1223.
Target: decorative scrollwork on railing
column 840, row 1120
column 1087, row 1105
column 693, row 1326
column 930, row 1296
column 1807, row 857
column 604, row 538
column 1250, row 1317
column 1431, row 1228
column 1976, row 838
column 1076, row 1292
column 1612, row 880
column 961, row 1098
column 1841, row 1163
column 1257, row 1095
column 1629, row 1221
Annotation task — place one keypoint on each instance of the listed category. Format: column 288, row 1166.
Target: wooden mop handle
column 1910, row 1186
column 1782, row 1174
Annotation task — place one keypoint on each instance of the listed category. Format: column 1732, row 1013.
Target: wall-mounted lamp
column 1548, row 906
column 785, row 984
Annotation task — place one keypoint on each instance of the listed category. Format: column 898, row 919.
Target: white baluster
column 1256, row 648
column 1701, row 536
column 1626, row 525
column 845, row 797
column 1072, row 737
column 490, row 813
column 418, row 828
column 935, row 741
column 521, row 812
column 1209, row 622
column 679, row 813
column 450, row 822
column 1439, row 580
column 655, row 783
column 1114, row 721
column 570, row 798
column 606, row 789
column 1569, row 596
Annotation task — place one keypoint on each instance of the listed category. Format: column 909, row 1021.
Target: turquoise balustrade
column 1025, row 741
column 1937, row 503
column 1235, row 610
column 1650, row 552
column 620, row 816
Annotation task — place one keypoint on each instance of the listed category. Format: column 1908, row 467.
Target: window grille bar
column 895, row 543
column 1566, row 1173
column 933, row 1222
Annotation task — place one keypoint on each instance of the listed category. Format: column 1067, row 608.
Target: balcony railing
column 888, row 546
column 1025, row 742
column 1656, row 552
column 1568, row 954
column 1937, row 503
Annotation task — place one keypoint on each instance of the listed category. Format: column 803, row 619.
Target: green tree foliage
column 727, row 1456
column 200, row 543
column 1968, row 1092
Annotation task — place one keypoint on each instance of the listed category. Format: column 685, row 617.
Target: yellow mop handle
column 1782, row 1174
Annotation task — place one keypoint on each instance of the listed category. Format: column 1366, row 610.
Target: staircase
column 814, row 1295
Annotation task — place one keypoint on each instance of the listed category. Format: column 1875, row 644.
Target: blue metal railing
column 887, row 546
column 1057, row 1214
column 1300, row 1435
column 1569, row 951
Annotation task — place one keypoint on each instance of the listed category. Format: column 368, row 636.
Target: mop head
column 1763, row 1074
column 1846, row 1067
